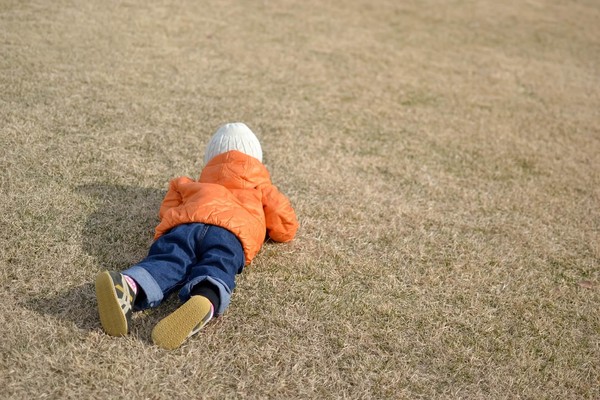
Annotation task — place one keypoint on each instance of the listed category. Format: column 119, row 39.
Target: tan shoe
column 184, row 322
column 115, row 302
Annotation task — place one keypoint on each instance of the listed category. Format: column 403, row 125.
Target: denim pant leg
column 167, row 265
column 220, row 259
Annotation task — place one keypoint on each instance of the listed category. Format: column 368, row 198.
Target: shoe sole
column 174, row 329
column 112, row 318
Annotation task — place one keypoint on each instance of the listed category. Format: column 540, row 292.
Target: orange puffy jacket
column 234, row 192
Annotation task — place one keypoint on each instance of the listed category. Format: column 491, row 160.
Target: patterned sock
column 131, row 283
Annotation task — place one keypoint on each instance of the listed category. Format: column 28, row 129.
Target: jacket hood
column 235, row 170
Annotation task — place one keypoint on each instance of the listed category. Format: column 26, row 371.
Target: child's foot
column 115, row 302
column 184, row 322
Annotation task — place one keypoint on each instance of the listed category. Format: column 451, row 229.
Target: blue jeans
column 186, row 256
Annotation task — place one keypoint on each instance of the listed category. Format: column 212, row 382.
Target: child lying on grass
column 209, row 230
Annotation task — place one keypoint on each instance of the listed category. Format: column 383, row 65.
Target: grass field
column 443, row 158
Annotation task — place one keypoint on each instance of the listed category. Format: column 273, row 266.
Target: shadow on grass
column 78, row 306
column 117, row 235
column 120, row 232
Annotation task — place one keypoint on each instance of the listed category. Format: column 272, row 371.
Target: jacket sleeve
column 282, row 223
column 173, row 197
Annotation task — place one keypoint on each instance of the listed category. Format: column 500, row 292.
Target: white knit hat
column 233, row 136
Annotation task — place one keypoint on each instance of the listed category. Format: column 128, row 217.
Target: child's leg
column 163, row 270
column 208, row 291
column 167, row 265
column 221, row 259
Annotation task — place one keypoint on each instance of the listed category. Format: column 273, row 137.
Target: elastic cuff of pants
column 209, row 291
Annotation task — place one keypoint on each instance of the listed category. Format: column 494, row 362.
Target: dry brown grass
column 443, row 158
